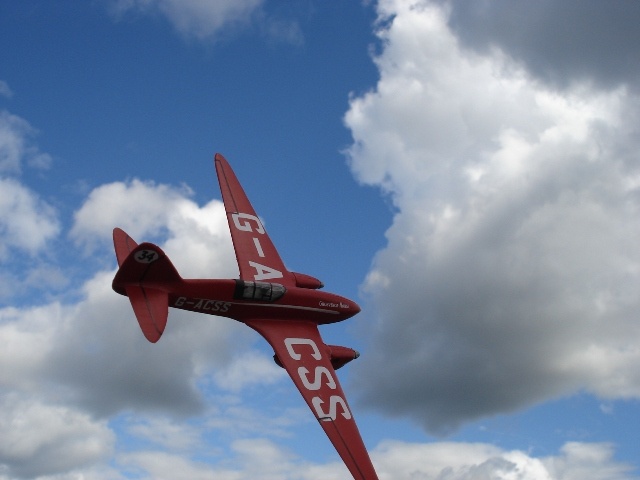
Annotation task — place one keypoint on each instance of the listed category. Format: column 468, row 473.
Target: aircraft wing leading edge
column 256, row 254
column 301, row 351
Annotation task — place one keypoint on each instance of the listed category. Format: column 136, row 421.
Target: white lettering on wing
column 246, row 222
column 322, row 376
column 256, row 242
column 246, row 226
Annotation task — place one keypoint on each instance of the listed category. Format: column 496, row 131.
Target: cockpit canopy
column 261, row 291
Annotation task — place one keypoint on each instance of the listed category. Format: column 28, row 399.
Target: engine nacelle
column 307, row 281
column 340, row 356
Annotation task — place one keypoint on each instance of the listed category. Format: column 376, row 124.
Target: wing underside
column 305, row 356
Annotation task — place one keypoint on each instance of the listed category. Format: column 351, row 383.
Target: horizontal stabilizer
column 151, row 307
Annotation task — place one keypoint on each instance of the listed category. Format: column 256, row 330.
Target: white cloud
column 198, row 241
column 166, row 433
column 102, row 330
column 140, row 208
column 13, row 131
column 5, row 91
column 27, row 335
column 199, row 19
column 42, row 439
column 261, row 458
column 568, row 41
column 448, row 460
column 232, row 417
column 16, row 146
column 586, row 460
column 89, row 357
column 27, row 223
column 470, row 461
column 251, row 368
column 68, row 365
column 208, row 20
column 511, row 271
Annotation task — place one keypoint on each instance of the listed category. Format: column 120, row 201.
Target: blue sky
column 468, row 172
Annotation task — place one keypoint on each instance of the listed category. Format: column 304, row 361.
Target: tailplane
column 145, row 276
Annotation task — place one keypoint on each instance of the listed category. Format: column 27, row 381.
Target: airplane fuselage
column 241, row 300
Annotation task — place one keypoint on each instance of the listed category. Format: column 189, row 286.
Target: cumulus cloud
column 74, row 368
column 40, row 439
column 262, row 458
column 88, row 359
column 166, row 433
column 560, row 42
column 102, row 326
column 89, row 354
column 197, row 238
column 468, row 461
column 26, row 221
column 147, row 207
column 511, row 270
column 250, row 369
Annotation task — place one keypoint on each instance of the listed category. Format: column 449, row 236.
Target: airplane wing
column 257, row 257
column 305, row 356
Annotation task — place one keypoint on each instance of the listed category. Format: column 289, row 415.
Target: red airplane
column 284, row 307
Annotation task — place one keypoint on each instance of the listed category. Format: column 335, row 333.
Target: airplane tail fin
column 123, row 244
column 145, row 276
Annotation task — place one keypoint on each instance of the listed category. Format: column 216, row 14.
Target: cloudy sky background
column 469, row 172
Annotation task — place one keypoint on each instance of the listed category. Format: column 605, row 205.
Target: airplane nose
column 356, row 307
